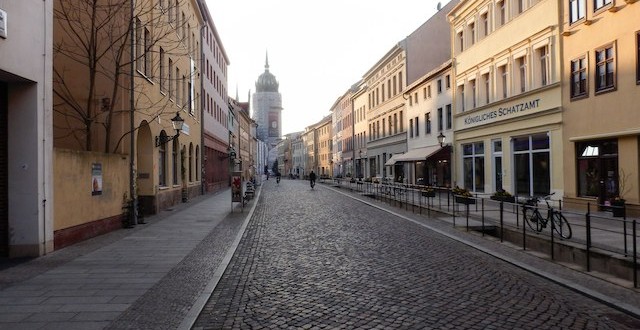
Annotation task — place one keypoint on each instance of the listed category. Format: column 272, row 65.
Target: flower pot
column 429, row 194
column 465, row 200
column 506, row 199
column 618, row 209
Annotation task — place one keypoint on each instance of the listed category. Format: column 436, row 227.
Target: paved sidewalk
column 148, row 277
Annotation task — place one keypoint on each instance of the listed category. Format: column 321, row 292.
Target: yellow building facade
column 601, row 97
column 507, row 96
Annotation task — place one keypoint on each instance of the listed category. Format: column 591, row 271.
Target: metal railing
column 592, row 230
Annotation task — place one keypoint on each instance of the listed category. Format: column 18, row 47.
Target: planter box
column 429, row 194
column 506, row 199
column 618, row 209
column 465, row 200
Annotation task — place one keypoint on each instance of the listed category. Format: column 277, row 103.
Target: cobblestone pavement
column 313, row 259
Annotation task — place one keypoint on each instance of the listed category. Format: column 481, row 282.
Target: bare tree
column 93, row 65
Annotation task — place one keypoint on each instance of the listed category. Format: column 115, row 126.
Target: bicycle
column 538, row 223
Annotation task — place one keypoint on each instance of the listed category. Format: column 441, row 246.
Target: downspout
column 202, row 127
column 44, row 137
column 133, row 212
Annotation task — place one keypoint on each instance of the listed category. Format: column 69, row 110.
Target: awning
column 417, row 154
column 392, row 160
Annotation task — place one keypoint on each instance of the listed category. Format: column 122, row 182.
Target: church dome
column 267, row 81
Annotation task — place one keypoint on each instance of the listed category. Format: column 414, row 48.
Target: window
column 484, row 25
column 598, row 4
column 427, row 123
column 501, row 14
column 384, row 128
column 163, row 71
column 597, row 162
column 579, row 77
column 400, row 81
column 520, row 6
column 415, row 97
column 139, row 45
column 178, row 88
column 472, row 33
column 638, row 58
column 417, row 123
column 447, row 80
column 460, row 40
column 440, row 120
column 449, row 117
column 401, row 123
column 162, row 160
column 521, row 64
column 439, row 86
column 486, row 87
column 410, row 128
column 472, row 83
column 497, row 164
column 424, row 93
column 473, row 165
column 504, row 82
column 429, row 87
column 461, row 100
column 605, row 69
column 395, row 83
column 174, row 158
column 532, row 166
column 147, row 52
column 577, row 10
column 390, row 125
column 383, row 95
column 191, row 162
column 395, row 123
column 543, row 57
column 170, row 80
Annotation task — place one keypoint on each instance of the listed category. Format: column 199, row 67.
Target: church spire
column 266, row 62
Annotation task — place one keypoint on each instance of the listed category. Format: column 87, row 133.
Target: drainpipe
column 133, row 212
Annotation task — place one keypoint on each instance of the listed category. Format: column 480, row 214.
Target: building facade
column 215, row 109
column 386, row 114
column 507, row 96
column 26, row 144
column 601, row 93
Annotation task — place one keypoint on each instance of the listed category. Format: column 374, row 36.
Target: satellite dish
column 439, row 6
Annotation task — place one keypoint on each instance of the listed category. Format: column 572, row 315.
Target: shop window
column 579, row 77
column 174, row 160
column 532, row 165
column 597, row 169
column 473, row 166
column 605, row 69
column 497, row 164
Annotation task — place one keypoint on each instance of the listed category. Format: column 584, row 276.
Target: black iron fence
column 593, row 233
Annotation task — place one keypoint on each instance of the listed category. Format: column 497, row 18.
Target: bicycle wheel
column 561, row 225
column 529, row 215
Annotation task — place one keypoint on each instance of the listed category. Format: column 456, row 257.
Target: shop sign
column 501, row 113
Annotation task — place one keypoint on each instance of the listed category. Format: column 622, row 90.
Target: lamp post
column 441, row 139
column 177, row 122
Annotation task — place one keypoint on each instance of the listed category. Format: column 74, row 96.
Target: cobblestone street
column 313, row 259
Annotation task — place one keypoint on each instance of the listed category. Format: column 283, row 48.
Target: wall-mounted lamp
column 441, row 139
column 232, row 153
column 177, row 123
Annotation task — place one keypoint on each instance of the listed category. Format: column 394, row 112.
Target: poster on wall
column 96, row 179
column 236, row 187
column 274, row 123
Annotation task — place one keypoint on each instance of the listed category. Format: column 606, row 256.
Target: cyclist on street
column 312, row 179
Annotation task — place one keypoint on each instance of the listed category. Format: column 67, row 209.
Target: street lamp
column 441, row 139
column 177, row 122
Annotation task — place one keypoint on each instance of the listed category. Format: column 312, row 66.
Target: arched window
column 174, row 159
column 162, row 160
column 191, row 162
column 197, row 164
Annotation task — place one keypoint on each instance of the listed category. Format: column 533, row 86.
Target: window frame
column 608, row 87
column 580, row 71
column 580, row 7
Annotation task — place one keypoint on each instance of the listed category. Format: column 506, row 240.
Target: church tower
column 267, row 108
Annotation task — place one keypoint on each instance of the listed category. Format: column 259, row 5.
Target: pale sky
column 317, row 49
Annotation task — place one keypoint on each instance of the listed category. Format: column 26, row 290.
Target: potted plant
column 618, row 202
column 463, row 195
column 502, row 195
column 428, row 192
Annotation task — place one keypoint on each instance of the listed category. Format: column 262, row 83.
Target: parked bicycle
column 537, row 222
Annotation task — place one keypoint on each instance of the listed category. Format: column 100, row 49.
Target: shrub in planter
column 463, row 195
column 428, row 192
column 503, row 196
column 618, row 206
